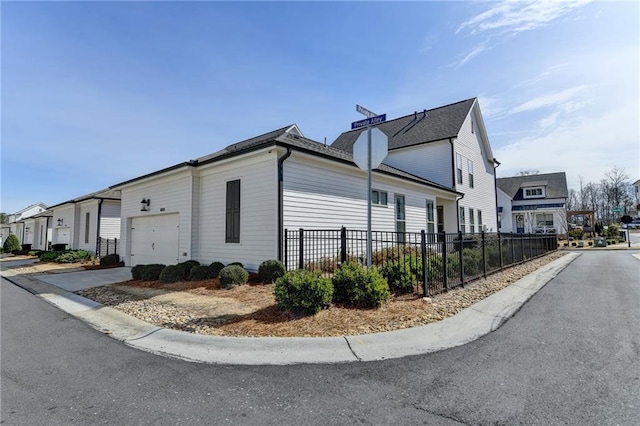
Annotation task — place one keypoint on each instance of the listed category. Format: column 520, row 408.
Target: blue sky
column 97, row 93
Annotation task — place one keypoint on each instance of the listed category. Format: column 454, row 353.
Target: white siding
column 504, row 201
column 85, row 242
column 68, row 216
column 431, row 161
column 29, row 231
column 257, row 173
column 169, row 193
column 110, row 219
column 482, row 195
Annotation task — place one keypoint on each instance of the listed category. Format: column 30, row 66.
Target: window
column 472, row 128
column 431, row 226
column 41, row 233
column 480, row 227
column 86, row 227
column 400, row 219
column 544, row 220
column 470, row 167
column 462, row 220
column 472, row 221
column 232, row 234
column 459, row 168
column 379, row 197
column 533, row 192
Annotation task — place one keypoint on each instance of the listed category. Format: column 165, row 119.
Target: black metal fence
column 438, row 262
column 107, row 246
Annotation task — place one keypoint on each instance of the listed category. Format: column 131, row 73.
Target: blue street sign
column 369, row 121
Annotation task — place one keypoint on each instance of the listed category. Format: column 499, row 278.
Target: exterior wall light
column 60, row 220
column 146, row 202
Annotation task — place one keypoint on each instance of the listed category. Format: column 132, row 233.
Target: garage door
column 154, row 239
column 62, row 236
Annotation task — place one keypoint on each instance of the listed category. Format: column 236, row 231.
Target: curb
column 466, row 326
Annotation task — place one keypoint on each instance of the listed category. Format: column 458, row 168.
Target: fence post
column 484, row 255
column 423, row 248
column 445, row 279
column 301, row 249
column 343, row 245
column 513, row 250
column 500, row 249
column 461, row 259
column 115, row 245
column 522, row 247
column 285, row 249
column 531, row 246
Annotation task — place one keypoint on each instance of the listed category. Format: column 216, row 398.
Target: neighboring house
column 533, row 203
column 447, row 145
column 80, row 223
column 17, row 225
column 235, row 204
column 636, row 197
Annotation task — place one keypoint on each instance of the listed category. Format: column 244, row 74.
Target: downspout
column 453, row 183
column 46, row 235
column 98, row 226
column 281, row 201
column 458, row 210
column 495, row 188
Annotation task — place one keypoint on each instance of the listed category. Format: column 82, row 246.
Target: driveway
column 74, row 281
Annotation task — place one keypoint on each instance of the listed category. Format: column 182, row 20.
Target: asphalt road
column 571, row 355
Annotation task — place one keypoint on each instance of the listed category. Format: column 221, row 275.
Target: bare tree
column 528, row 172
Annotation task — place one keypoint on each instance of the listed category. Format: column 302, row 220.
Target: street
column 571, row 355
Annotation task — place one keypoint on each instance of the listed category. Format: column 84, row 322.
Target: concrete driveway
column 74, row 281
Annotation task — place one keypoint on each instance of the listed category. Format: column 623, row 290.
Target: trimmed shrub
column 201, row 272
column 356, row 286
column 270, row 270
column 232, row 275
column 190, row 263
column 236, row 264
column 171, row 274
column 303, row 292
column 110, row 259
column 72, row 256
column 612, row 231
column 217, row 267
column 151, row 272
column 136, row 272
column 576, row 233
column 399, row 276
column 472, row 258
column 11, row 243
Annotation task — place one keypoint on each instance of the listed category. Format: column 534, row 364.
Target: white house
column 533, row 203
column 83, row 222
column 447, row 145
column 234, row 205
column 17, row 223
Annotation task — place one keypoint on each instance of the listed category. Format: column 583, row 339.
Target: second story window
column 379, row 197
column 459, row 168
column 533, row 192
column 462, row 219
column 470, row 167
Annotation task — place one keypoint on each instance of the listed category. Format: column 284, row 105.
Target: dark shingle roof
column 439, row 123
column 107, row 194
column 556, row 184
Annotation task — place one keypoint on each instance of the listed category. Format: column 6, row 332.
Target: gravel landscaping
column 250, row 310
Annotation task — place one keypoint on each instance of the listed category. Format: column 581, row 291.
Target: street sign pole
column 369, row 242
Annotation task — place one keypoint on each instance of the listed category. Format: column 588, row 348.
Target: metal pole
column 369, row 244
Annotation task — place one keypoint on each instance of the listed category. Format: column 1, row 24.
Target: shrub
column 576, row 233
column 232, row 275
column 171, row 274
column 72, row 256
column 190, row 264
column 612, row 231
column 136, row 272
column 387, row 254
column 217, row 267
column 236, row 264
column 49, row 256
column 151, row 272
column 399, row 276
column 472, row 259
column 110, row 259
column 201, row 272
column 270, row 270
column 356, row 286
column 303, row 292
column 11, row 243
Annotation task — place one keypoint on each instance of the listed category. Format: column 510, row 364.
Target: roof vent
column 415, row 115
column 424, row 113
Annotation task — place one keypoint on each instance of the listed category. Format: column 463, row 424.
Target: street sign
column 369, row 121
column 362, row 110
column 617, row 210
column 379, row 149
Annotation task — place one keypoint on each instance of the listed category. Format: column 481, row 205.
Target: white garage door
column 154, row 239
column 62, row 236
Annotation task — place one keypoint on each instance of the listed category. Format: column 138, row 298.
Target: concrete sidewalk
column 468, row 325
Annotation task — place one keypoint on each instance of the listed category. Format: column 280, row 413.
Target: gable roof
column 555, row 183
column 288, row 137
column 40, row 204
column 106, row 194
column 418, row 128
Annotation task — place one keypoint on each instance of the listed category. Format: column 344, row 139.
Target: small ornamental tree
column 11, row 244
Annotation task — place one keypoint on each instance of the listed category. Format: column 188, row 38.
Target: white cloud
column 474, row 52
column 519, row 16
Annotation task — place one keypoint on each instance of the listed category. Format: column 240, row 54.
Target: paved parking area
column 74, row 281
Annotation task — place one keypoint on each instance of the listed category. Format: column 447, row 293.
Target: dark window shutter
column 232, row 233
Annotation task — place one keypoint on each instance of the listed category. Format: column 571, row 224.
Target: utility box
column 601, row 242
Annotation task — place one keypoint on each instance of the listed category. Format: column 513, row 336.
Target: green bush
column 472, row 258
column 49, row 256
column 110, row 259
column 136, row 272
column 11, row 243
column 356, row 286
column 171, row 274
column 190, row 264
column 576, row 233
column 613, row 231
column 303, row 292
column 217, row 267
column 151, row 272
column 232, row 275
column 70, row 256
column 399, row 276
column 270, row 270
column 380, row 257
column 201, row 272
column 236, row 264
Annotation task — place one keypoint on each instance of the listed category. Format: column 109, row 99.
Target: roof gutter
column 281, row 201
